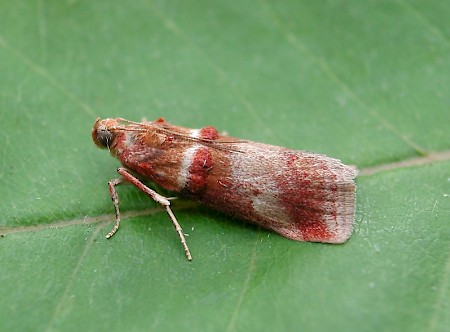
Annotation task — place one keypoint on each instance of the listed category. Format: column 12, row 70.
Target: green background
column 364, row 81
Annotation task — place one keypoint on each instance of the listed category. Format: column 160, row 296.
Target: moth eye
column 104, row 137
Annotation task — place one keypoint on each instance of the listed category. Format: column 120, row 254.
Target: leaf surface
column 366, row 82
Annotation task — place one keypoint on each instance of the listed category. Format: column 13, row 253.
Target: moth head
column 103, row 132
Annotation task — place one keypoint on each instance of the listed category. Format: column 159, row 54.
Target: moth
column 300, row 195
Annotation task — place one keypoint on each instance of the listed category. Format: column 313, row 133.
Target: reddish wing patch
column 304, row 193
column 198, row 171
column 209, row 133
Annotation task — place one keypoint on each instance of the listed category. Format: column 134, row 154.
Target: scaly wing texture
column 301, row 195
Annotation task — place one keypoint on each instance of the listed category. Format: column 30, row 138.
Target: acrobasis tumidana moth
column 301, row 195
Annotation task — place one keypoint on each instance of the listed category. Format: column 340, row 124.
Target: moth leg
column 115, row 199
column 127, row 176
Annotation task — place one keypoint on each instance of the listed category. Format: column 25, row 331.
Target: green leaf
column 364, row 81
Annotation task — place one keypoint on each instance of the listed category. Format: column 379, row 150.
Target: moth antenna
column 144, row 127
